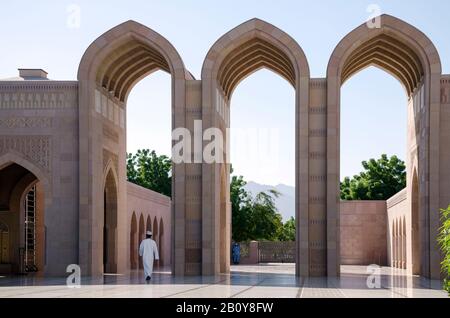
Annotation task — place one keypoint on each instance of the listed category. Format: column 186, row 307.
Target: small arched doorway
column 141, row 237
column 148, row 223
column 110, row 224
column 161, row 242
column 155, row 231
column 22, row 227
column 133, row 242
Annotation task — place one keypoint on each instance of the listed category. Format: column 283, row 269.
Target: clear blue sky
column 36, row 34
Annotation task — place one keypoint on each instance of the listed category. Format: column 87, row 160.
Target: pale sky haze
column 36, row 34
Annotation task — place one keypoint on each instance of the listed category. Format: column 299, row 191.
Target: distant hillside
column 285, row 203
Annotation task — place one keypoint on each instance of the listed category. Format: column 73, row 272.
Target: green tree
column 381, row 179
column 444, row 242
column 253, row 218
column 240, row 207
column 147, row 169
column 266, row 222
column 288, row 231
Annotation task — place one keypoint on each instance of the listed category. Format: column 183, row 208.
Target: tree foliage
column 266, row 222
column 256, row 218
column 240, row 207
column 444, row 242
column 147, row 169
column 288, row 231
column 380, row 180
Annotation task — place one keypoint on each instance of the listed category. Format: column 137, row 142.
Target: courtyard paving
column 263, row 281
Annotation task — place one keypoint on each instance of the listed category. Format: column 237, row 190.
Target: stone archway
column 247, row 48
column 407, row 54
column 110, row 217
column 117, row 60
column 23, row 199
column 109, row 69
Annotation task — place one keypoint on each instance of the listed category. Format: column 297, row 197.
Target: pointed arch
column 161, row 242
column 249, row 47
column 155, row 230
column 406, row 53
column 108, row 70
column 133, row 242
column 27, row 215
column 141, row 235
column 236, row 55
column 141, row 227
column 148, row 223
column 397, row 47
column 13, row 157
column 110, row 172
column 156, row 233
column 110, row 221
column 125, row 54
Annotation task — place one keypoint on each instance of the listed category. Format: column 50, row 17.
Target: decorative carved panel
column 26, row 122
column 38, row 95
column 107, row 156
column 35, row 148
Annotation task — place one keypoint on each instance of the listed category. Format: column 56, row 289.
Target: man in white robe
column 149, row 253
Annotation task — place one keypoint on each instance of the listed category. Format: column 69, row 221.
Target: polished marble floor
column 264, row 281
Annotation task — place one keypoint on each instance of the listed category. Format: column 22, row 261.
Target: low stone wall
column 255, row 252
column 148, row 210
column 364, row 233
column 371, row 232
column 399, row 220
column 249, row 253
column 276, row 252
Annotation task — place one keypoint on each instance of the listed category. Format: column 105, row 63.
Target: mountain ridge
column 285, row 203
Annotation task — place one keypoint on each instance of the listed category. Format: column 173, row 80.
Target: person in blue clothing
column 236, row 253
